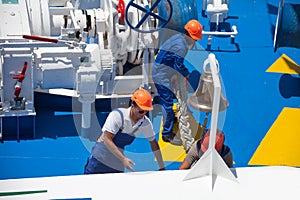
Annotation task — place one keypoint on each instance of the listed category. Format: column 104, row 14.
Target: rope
column 182, row 115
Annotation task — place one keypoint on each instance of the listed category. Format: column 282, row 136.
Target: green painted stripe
column 3, row 194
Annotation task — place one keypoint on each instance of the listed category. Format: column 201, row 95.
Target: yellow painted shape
column 170, row 152
column 281, row 145
column 284, row 65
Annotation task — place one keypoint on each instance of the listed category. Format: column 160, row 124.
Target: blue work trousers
column 166, row 99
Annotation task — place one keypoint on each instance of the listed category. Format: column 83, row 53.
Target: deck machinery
column 74, row 48
column 86, row 50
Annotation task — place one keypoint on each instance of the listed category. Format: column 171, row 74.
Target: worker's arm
column 191, row 157
column 179, row 66
column 108, row 137
column 185, row 165
column 157, row 153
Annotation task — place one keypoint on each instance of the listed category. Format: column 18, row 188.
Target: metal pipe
column 233, row 32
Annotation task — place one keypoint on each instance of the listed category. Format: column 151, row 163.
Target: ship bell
column 202, row 98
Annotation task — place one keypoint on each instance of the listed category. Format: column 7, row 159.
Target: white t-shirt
column 114, row 123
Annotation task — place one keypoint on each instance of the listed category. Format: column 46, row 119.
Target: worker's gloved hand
column 187, row 82
column 174, row 80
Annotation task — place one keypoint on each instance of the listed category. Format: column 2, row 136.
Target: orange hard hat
column 194, row 28
column 220, row 138
column 143, row 99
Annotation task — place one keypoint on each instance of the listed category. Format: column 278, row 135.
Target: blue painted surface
column 256, row 99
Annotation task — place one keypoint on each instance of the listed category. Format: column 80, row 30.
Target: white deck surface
column 253, row 183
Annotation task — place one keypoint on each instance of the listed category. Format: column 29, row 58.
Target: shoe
column 173, row 139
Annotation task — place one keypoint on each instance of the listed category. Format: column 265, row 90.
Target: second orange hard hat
column 220, row 138
column 143, row 99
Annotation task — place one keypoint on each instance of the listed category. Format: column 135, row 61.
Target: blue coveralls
column 103, row 161
column 168, row 61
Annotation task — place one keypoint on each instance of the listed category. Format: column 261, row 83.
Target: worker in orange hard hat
column 194, row 28
column 169, row 62
column 143, row 99
column 120, row 129
column 200, row 147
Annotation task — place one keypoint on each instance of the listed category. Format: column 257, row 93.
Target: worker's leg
column 166, row 98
